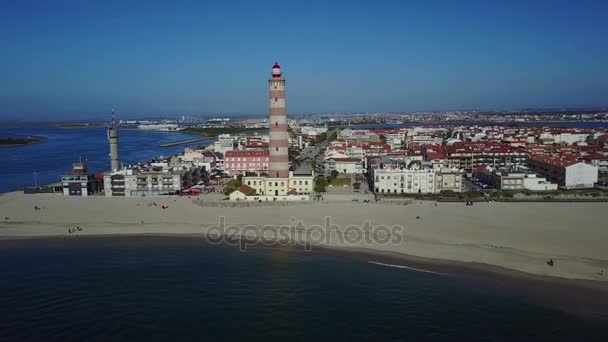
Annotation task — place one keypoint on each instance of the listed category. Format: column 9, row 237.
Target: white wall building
column 295, row 184
column 224, row 143
column 581, row 175
column 567, row 173
column 154, row 179
column 534, row 183
column 415, row 180
column 345, row 165
column 313, row 130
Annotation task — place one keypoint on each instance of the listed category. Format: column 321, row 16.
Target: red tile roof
column 554, row 161
column 595, row 156
column 435, row 155
column 346, row 160
column 246, row 189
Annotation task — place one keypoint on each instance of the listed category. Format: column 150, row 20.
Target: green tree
column 447, row 193
column 333, row 136
column 321, row 137
column 334, row 173
column 293, row 153
column 233, row 185
column 320, row 184
column 357, row 186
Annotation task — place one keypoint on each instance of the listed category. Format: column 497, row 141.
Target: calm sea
column 50, row 158
column 145, row 289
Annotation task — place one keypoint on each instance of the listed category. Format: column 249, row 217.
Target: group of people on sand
column 163, row 206
column 74, row 230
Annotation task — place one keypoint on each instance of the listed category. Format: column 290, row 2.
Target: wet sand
column 510, row 236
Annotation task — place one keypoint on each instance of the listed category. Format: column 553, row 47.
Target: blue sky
column 76, row 59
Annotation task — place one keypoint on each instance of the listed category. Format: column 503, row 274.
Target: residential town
column 379, row 162
column 300, row 159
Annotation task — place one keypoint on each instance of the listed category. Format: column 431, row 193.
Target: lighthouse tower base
column 264, row 189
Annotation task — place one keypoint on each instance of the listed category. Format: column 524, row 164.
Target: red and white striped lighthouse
column 279, row 159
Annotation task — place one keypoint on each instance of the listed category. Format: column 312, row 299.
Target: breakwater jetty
column 189, row 141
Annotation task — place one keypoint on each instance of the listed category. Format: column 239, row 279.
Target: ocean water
column 153, row 289
column 50, row 158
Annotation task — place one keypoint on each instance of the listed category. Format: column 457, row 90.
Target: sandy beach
column 513, row 236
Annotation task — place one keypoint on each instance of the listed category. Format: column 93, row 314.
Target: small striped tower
column 113, row 138
column 278, row 146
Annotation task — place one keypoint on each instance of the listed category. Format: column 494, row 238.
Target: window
column 276, row 124
column 277, row 151
column 275, row 99
column 276, row 183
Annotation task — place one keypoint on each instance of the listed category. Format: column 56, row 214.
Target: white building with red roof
column 345, row 165
column 568, row 173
